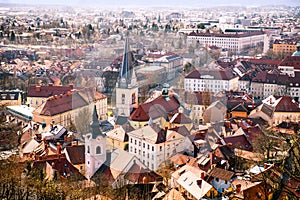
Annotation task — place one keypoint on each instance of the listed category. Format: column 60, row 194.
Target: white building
column 233, row 42
column 211, row 80
column 153, row 145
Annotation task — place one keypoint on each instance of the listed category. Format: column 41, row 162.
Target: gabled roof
column 159, row 107
column 223, row 74
column 30, row 146
column 238, row 141
column 72, row 100
column 194, row 185
column 63, row 166
column 287, row 104
column 291, row 61
column 240, row 108
column 139, row 175
column 221, row 174
column 45, row 91
column 180, row 118
column 76, row 154
column 151, row 133
column 117, row 163
column 118, row 133
column 182, row 130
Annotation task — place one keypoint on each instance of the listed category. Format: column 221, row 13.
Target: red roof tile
column 72, row 100
column 47, row 91
column 238, row 141
column 159, row 107
column 76, row 154
column 287, row 104
column 291, row 61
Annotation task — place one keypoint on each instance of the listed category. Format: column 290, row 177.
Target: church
column 126, row 86
column 116, row 167
column 113, row 167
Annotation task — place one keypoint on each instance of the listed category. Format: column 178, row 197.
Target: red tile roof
column 221, row 174
column 291, row 61
column 72, row 100
column 76, row 154
column 223, row 74
column 238, row 141
column 266, row 77
column 287, row 104
column 137, row 174
column 63, row 166
column 47, row 91
column 159, row 107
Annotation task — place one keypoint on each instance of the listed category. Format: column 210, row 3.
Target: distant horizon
column 154, row 3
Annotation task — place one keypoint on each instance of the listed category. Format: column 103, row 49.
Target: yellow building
column 239, row 111
column 11, row 98
column 286, row 46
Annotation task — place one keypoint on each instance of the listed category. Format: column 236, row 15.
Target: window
column 123, row 98
column 160, row 148
column 133, row 98
column 152, row 148
column 88, row 149
column 98, row 150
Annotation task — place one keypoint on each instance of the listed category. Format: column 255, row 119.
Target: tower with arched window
column 95, row 147
column 126, row 86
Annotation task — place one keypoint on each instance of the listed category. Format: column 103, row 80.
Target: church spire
column 125, row 74
column 95, row 128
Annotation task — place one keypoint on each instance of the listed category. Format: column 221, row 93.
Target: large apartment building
column 153, row 145
column 211, row 81
column 236, row 42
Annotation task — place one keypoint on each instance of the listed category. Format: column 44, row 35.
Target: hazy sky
column 171, row 3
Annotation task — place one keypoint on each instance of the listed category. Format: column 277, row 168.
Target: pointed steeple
column 125, row 74
column 95, row 128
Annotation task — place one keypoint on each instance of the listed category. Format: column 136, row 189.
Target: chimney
column 238, row 188
column 58, row 148
column 271, row 101
column 265, row 166
column 71, row 86
column 46, row 144
column 252, row 105
column 38, row 88
column 202, row 175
